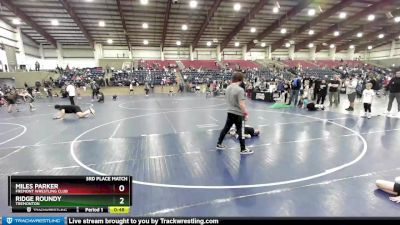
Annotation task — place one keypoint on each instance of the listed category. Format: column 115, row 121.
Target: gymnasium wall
column 7, row 35
column 255, row 54
column 283, row 54
column 386, row 55
column 172, row 53
column 3, row 58
column 232, row 54
column 32, row 50
column 146, row 53
column 116, row 52
column 7, row 38
column 29, row 77
column 205, row 54
column 303, row 54
column 380, row 52
column 69, row 51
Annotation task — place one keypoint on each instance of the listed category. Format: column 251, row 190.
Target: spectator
column 394, row 93
column 351, row 85
column 295, row 89
column 334, row 91
column 71, row 93
column 37, row 66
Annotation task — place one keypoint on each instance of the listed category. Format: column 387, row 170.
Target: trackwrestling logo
column 33, row 220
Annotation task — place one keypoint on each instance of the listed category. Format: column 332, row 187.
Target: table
column 262, row 96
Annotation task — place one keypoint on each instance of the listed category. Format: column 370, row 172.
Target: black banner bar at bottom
column 215, row 221
column 60, row 209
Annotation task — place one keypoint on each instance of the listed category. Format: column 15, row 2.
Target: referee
column 237, row 112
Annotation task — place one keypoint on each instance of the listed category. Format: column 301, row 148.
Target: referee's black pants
column 71, row 99
column 239, row 123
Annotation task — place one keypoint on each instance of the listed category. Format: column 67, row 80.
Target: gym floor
column 305, row 163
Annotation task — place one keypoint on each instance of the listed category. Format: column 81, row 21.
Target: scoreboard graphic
column 74, row 194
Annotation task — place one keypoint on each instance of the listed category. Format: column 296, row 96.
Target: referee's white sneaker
column 221, row 146
column 388, row 114
column 246, row 151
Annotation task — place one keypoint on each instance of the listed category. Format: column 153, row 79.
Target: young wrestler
column 391, row 188
column 72, row 109
column 249, row 132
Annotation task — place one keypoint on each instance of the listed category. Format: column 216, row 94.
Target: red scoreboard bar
column 88, row 194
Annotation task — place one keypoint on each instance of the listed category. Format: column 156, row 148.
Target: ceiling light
column 397, row 19
column 184, row 27
column 381, row 36
column 102, row 23
column 336, row 33
column 237, row 6
column 310, row 32
column 311, row 12
column 54, row 22
column 359, row 34
column 393, row 65
column 208, row 43
column 371, row 17
column 263, row 44
column 351, row 46
column 287, row 45
column 109, row 41
column 145, row 42
column 145, row 25
column 253, row 30
column 342, row 15
column 215, row 40
column 370, row 47
column 178, row 43
column 144, row 2
column 16, row 21
column 89, row 0
column 310, row 45
column 331, row 46
column 237, row 44
column 275, row 9
column 193, row 4
column 283, row 31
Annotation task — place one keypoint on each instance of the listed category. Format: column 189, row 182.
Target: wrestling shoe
column 364, row 115
column 92, row 111
column 246, row 151
column 247, row 136
column 388, row 114
column 221, row 146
